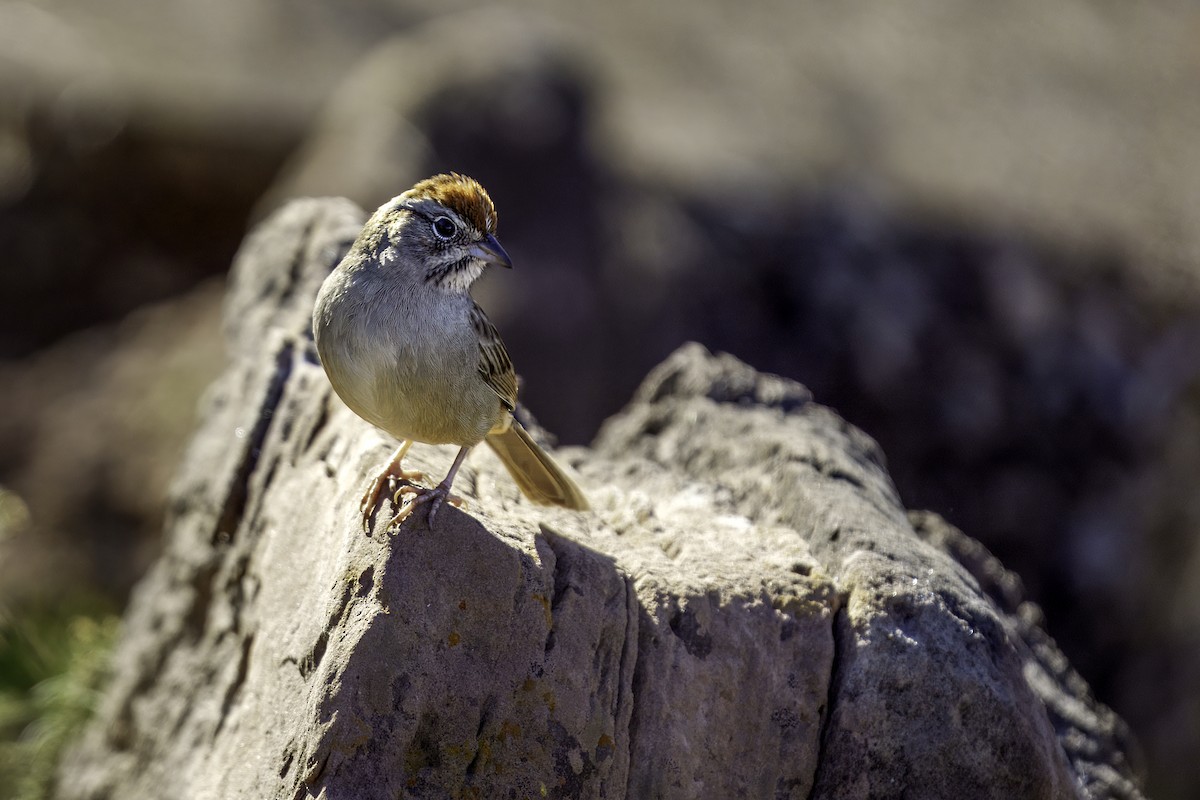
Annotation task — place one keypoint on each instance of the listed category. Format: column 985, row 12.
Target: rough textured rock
column 748, row 611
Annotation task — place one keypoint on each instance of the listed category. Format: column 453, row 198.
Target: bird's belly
column 410, row 368
column 437, row 409
column 432, row 397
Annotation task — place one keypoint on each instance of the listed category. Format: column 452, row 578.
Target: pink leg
column 435, row 496
column 386, row 476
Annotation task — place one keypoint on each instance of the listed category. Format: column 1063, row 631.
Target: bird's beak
column 490, row 252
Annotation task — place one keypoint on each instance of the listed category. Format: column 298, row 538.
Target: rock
column 748, row 611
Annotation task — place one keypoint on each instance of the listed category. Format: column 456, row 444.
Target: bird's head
column 444, row 229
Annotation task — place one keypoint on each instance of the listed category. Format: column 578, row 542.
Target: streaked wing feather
column 495, row 367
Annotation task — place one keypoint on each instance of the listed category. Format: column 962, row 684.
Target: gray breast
column 407, row 364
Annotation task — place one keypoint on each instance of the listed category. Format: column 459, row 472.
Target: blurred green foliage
column 52, row 664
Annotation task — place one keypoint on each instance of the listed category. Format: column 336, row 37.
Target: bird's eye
column 444, row 228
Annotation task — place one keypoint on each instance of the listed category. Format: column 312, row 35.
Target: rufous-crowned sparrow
column 408, row 350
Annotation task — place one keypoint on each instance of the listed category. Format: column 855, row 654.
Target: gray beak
column 490, row 251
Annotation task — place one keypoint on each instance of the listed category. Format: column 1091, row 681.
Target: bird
column 406, row 347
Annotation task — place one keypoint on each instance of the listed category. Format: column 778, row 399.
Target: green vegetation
column 52, row 664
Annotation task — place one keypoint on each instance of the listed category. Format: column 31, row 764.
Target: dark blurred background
column 972, row 229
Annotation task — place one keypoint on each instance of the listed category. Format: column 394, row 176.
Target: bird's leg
column 387, row 476
column 435, row 496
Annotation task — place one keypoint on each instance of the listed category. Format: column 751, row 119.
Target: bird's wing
column 495, row 367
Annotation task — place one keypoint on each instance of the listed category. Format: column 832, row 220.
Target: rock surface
column 748, row 611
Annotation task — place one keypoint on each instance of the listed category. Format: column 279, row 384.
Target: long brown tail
column 540, row 479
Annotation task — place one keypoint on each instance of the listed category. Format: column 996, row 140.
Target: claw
column 389, row 476
column 435, row 497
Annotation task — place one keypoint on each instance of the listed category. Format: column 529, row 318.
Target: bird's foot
column 389, row 476
column 422, row 495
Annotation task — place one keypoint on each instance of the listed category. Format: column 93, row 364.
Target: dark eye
column 444, row 228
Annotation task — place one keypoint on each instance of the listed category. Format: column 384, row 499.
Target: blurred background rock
column 974, row 230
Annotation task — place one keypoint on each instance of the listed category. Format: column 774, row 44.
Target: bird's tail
column 540, row 479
